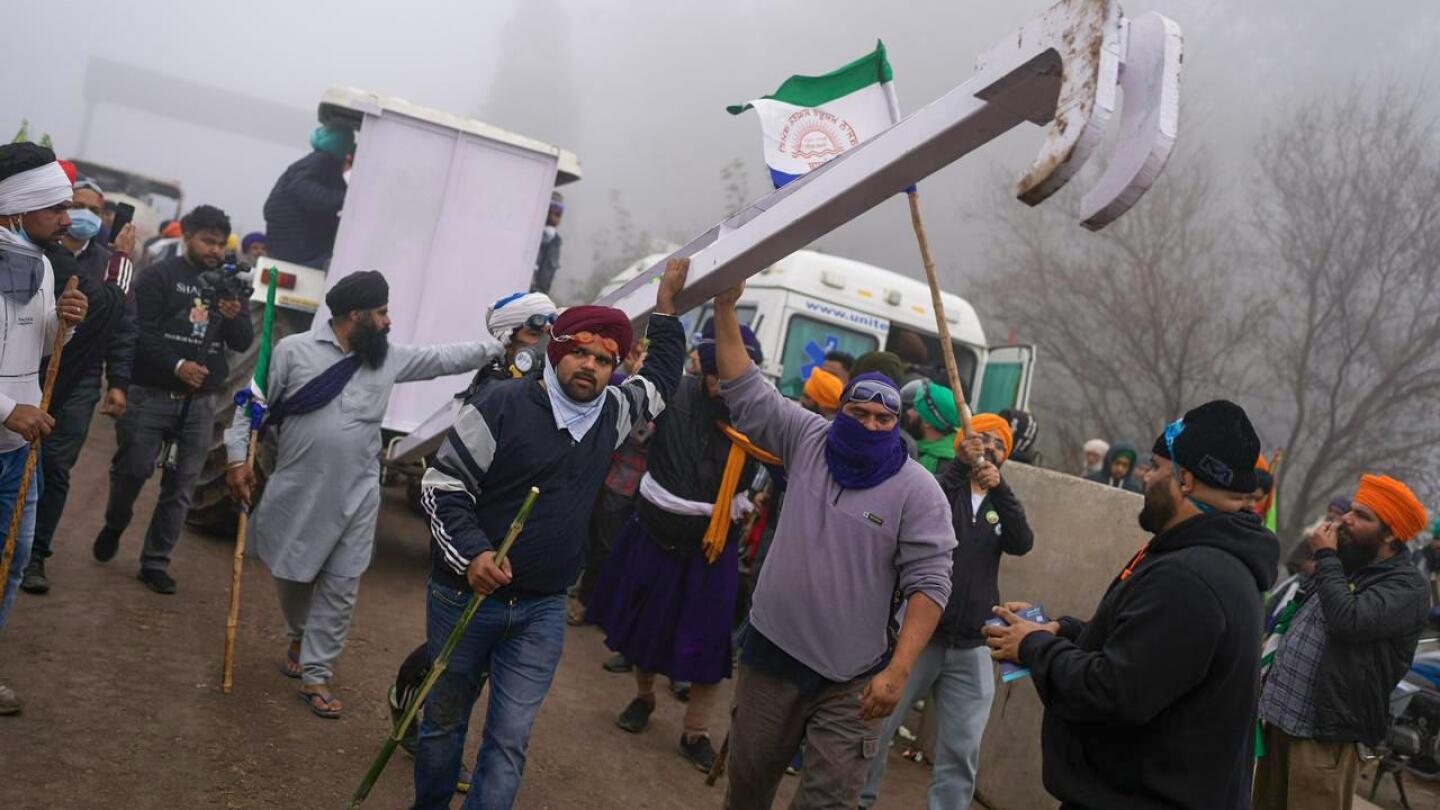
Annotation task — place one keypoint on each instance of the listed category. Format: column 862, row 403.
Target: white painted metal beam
column 1066, row 69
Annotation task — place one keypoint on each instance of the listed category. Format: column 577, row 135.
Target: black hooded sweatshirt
column 1102, row 475
column 1152, row 703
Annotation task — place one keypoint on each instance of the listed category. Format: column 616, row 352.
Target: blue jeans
column 12, row 469
column 964, row 687
column 520, row 641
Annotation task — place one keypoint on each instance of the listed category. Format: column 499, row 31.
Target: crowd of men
column 838, row 556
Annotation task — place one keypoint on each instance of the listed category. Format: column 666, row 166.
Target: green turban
column 936, row 405
column 887, row 363
column 337, row 141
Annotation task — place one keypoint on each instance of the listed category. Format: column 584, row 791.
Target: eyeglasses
column 587, row 338
column 538, row 322
column 874, row 391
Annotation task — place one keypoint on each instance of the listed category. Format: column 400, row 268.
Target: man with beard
column 667, row 599
column 35, row 197
column 861, row 519
column 170, row 380
column 989, row 522
column 521, row 322
column 556, row 434
column 328, row 389
column 934, row 421
column 1346, row 646
column 1152, row 702
column 105, row 343
column 1115, row 471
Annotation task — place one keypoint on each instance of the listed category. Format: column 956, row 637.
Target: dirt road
column 124, row 710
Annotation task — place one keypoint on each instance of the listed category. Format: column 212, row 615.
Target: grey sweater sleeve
column 766, row 417
column 925, row 554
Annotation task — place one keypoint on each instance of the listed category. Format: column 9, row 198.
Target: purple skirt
column 667, row 614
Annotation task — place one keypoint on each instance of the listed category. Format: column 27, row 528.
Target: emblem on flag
column 811, row 120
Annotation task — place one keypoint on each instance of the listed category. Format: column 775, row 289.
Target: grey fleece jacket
column 838, row 555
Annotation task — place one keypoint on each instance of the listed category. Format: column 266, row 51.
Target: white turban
column 512, row 311
column 35, row 189
column 1097, row 446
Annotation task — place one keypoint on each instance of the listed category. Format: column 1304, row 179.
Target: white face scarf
column 576, row 417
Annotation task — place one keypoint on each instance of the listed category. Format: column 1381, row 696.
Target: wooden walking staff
column 442, row 661
column 232, row 621
column 941, row 325
column 17, row 515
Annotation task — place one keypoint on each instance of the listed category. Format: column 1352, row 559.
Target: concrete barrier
column 1085, row 533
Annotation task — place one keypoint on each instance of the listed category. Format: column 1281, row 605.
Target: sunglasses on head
column 874, row 391
column 587, row 338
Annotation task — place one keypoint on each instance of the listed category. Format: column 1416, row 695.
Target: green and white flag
column 810, row 120
column 262, row 361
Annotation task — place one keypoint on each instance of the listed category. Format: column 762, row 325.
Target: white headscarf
column 512, row 311
column 1099, row 446
column 35, row 189
column 576, row 417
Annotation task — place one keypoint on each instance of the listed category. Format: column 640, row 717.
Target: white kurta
column 322, row 502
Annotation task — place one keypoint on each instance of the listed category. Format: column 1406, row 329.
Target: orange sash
column 740, row 447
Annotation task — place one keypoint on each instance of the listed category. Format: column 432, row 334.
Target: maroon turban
column 607, row 322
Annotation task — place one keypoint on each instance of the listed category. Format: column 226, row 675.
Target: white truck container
column 449, row 208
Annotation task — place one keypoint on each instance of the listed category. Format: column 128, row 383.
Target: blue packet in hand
column 1009, row 670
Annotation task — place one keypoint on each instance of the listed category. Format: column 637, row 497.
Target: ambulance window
column 806, row 343
column 696, row 323
column 921, row 352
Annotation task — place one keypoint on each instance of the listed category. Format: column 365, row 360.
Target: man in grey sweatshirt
column 861, row 519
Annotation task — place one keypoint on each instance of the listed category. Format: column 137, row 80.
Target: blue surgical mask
column 84, row 224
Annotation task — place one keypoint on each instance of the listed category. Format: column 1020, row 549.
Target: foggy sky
column 638, row 88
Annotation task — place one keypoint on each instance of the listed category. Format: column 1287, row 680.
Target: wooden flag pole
column 232, row 621
column 17, row 514
column 941, row 324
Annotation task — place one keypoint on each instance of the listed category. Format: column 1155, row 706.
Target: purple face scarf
column 860, row 458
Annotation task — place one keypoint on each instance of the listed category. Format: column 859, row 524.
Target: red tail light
column 285, row 281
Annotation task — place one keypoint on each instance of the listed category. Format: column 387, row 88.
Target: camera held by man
column 190, row 309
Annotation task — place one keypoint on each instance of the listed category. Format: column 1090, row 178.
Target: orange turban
column 1394, row 503
column 824, row 388
column 990, row 423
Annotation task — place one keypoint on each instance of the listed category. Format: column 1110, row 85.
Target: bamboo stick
column 441, row 662
column 232, row 621
column 941, row 324
column 17, row 514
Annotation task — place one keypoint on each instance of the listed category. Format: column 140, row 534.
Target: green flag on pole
column 262, row 361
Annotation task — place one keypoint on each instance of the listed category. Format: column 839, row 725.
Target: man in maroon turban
column 557, row 434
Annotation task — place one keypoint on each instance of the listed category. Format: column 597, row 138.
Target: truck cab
column 812, row 303
column 155, row 200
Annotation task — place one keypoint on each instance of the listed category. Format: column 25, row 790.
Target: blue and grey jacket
column 505, row 440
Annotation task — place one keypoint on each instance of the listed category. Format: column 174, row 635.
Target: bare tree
column 1350, row 209
column 1133, row 325
column 735, row 180
column 615, row 249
